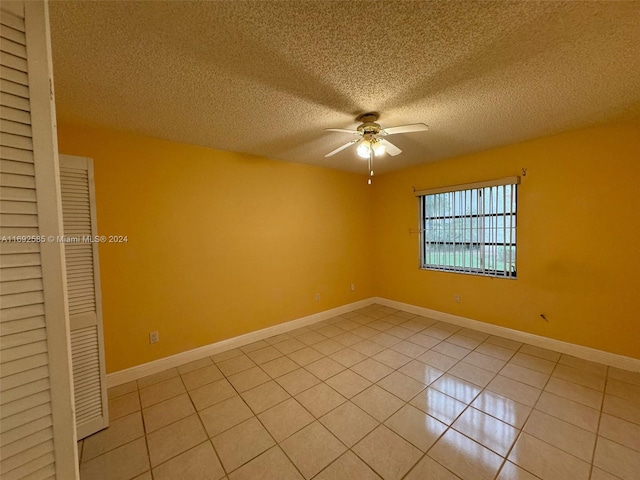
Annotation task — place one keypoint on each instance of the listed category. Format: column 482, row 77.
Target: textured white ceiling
column 267, row 77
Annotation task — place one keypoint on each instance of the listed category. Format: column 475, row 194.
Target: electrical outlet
column 456, row 298
column 352, row 287
column 154, row 337
column 317, row 297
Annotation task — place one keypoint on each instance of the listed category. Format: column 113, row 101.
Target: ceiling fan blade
column 414, row 127
column 339, row 149
column 390, row 148
column 343, row 130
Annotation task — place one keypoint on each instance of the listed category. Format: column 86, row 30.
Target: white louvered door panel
column 26, row 433
column 37, row 434
column 83, row 290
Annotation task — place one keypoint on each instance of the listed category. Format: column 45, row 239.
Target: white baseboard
column 156, row 366
column 586, row 353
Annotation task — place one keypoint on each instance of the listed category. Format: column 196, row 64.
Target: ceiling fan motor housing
column 369, row 128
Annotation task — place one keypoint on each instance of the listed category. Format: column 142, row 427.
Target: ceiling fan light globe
column 378, row 149
column 363, row 149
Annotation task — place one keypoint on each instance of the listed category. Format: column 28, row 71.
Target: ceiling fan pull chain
column 373, row 154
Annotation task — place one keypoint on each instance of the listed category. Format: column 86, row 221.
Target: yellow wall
column 578, row 239
column 220, row 243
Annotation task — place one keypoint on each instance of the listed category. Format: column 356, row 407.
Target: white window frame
column 479, row 226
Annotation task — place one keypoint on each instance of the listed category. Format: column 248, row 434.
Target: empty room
column 325, row 240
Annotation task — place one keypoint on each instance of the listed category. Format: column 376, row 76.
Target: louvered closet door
column 36, row 435
column 25, row 398
column 83, row 287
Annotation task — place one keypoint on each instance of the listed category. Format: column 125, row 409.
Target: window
column 470, row 228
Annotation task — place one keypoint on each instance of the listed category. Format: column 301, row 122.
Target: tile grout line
column 426, row 386
column 277, row 444
column 239, row 394
column 215, row 452
column 168, row 424
column 144, row 429
column 412, row 358
column 469, row 405
column 595, row 444
column 348, row 449
column 408, row 402
column 524, row 424
column 228, row 472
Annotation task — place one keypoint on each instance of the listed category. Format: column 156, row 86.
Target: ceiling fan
column 371, row 138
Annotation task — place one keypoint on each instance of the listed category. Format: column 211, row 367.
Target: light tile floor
column 376, row 393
